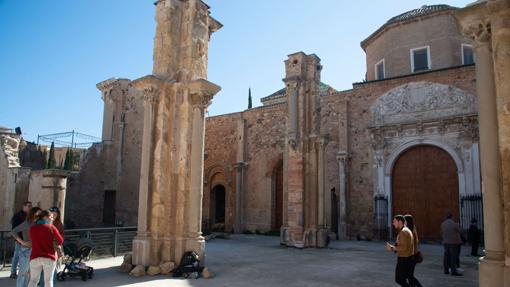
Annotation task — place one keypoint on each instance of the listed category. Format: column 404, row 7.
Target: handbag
column 418, row 257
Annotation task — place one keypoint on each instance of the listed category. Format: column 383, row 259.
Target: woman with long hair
column 25, row 246
column 410, row 224
column 43, row 258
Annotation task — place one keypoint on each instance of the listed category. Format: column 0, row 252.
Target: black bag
column 418, row 257
column 190, row 263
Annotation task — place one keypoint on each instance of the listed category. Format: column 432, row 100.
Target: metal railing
column 109, row 241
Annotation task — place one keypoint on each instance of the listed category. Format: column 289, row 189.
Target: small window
column 467, row 54
column 420, row 59
column 379, row 70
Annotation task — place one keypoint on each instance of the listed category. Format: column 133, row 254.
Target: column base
column 492, row 271
column 141, row 251
column 292, row 237
column 342, row 231
column 311, row 238
column 150, row 251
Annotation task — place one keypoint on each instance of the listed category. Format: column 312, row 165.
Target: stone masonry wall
column 360, row 176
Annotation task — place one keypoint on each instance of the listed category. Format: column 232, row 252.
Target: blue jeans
column 15, row 258
column 24, row 267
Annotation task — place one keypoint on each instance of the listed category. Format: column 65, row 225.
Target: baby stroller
column 75, row 252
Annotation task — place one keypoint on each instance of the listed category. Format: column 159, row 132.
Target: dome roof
column 424, row 10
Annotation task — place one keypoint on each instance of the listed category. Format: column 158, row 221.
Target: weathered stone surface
column 166, row 267
column 153, row 270
column 128, row 258
column 138, row 271
column 176, row 97
column 126, row 267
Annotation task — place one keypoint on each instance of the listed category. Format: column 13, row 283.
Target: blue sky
column 53, row 52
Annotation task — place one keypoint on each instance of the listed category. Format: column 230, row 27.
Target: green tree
column 249, row 99
column 44, row 156
column 69, row 160
column 52, row 162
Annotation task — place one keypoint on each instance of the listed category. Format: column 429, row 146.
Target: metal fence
column 381, row 229
column 472, row 207
column 109, row 241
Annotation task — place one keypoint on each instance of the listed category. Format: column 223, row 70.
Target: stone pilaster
column 106, row 87
column 341, row 158
column 238, row 224
column 176, row 98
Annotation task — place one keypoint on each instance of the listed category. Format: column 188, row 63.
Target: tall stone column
column 500, row 29
column 341, row 158
column 475, row 23
column 176, row 97
column 304, row 218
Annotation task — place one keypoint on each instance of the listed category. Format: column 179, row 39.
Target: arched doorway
column 277, row 217
column 425, row 184
column 217, row 208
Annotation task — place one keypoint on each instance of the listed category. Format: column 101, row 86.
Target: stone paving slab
column 250, row 260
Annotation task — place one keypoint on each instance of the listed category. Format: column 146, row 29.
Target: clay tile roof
column 424, row 10
column 323, row 89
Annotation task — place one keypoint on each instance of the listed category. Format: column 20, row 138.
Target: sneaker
column 13, row 276
column 460, row 270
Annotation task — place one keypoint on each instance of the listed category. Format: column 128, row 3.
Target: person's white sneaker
column 460, row 270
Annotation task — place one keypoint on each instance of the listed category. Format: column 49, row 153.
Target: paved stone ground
column 250, row 260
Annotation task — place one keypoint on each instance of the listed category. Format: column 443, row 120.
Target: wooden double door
column 425, row 184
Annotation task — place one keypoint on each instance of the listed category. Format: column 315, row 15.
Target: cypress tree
column 249, row 99
column 44, row 159
column 52, row 162
column 66, row 161
column 71, row 159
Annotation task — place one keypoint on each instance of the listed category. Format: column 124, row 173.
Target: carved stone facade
column 425, row 113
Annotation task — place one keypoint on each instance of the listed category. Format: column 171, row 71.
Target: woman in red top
column 43, row 258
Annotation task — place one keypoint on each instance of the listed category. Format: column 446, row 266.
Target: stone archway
column 425, row 184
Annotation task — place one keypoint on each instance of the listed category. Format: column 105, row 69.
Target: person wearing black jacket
column 18, row 218
column 474, row 235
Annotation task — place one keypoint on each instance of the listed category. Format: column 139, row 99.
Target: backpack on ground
column 190, row 263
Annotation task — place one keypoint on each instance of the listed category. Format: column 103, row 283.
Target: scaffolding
column 68, row 139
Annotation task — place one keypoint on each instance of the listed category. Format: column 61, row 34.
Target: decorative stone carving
column 479, row 31
column 106, row 88
column 422, row 101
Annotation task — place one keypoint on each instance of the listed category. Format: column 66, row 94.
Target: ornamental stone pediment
column 420, row 102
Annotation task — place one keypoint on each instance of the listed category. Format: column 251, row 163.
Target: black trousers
column 412, row 280
column 403, row 272
column 451, row 254
column 474, row 248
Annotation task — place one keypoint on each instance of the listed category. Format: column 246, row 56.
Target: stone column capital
column 475, row 23
column 151, row 88
column 292, row 82
column 106, row 88
column 341, row 157
column 239, row 166
column 201, row 92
